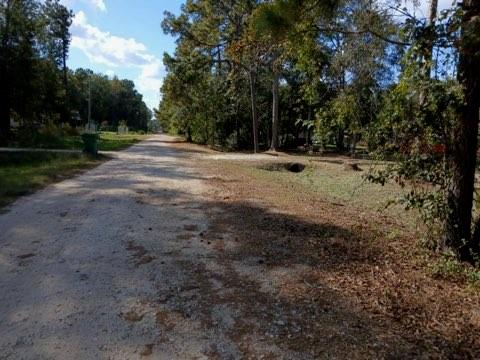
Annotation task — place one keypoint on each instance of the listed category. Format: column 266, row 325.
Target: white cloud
column 99, row 4
column 104, row 48
column 96, row 4
column 420, row 8
column 101, row 47
column 149, row 82
column 150, row 76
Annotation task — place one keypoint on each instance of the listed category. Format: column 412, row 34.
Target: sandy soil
column 87, row 266
column 161, row 254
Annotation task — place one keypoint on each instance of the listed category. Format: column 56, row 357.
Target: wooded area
column 306, row 189
column 339, row 74
column 38, row 88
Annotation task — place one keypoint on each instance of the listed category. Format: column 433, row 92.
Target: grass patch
column 23, row 173
column 69, row 142
column 109, row 141
column 332, row 182
column 449, row 268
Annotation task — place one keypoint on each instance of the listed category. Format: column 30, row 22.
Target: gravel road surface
column 105, row 265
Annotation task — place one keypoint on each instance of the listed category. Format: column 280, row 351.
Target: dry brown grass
column 349, row 279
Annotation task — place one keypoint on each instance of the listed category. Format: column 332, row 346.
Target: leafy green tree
column 57, row 21
column 208, row 34
column 18, row 27
column 433, row 126
column 115, row 100
column 463, row 154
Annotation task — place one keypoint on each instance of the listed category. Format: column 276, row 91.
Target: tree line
column 114, row 101
column 37, row 87
column 248, row 74
column 339, row 74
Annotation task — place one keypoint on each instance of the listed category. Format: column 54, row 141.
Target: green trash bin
column 90, row 143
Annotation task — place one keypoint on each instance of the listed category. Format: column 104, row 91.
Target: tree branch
column 361, row 32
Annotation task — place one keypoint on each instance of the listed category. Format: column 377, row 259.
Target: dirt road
column 88, row 266
column 160, row 254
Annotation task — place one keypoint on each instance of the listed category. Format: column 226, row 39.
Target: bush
column 50, row 131
column 26, row 136
column 449, row 268
column 69, row 130
column 50, row 135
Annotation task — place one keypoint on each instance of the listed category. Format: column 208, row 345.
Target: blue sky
column 122, row 37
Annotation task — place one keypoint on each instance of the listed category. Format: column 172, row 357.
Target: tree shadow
column 169, row 141
column 246, row 282
column 267, row 264
column 285, row 240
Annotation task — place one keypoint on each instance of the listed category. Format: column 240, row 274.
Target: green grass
column 23, row 173
column 65, row 142
column 449, row 268
column 109, row 141
column 328, row 178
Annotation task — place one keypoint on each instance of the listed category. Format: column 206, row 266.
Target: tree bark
column 340, row 141
column 66, row 115
column 433, row 10
column 4, row 108
column 309, row 129
column 236, row 73
column 5, row 86
column 275, row 85
column 353, row 146
column 428, row 48
column 253, row 98
column 66, row 118
column 458, row 224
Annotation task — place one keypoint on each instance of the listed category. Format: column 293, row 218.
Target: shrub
column 69, row 130
column 449, row 268
column 50, row 131
column 26, row 136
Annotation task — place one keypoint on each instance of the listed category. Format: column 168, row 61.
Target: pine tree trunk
column 253, row 97
column 353, row 146
column 66, row 111
column 275, row 85
column 429, row 46
column 433, row 11
column 237, row 127
column 458, row 224
column 4, row 110
column 340, row 141
column 237, row 106
column 309, row 129
column 4, row 101
column 5, row 79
